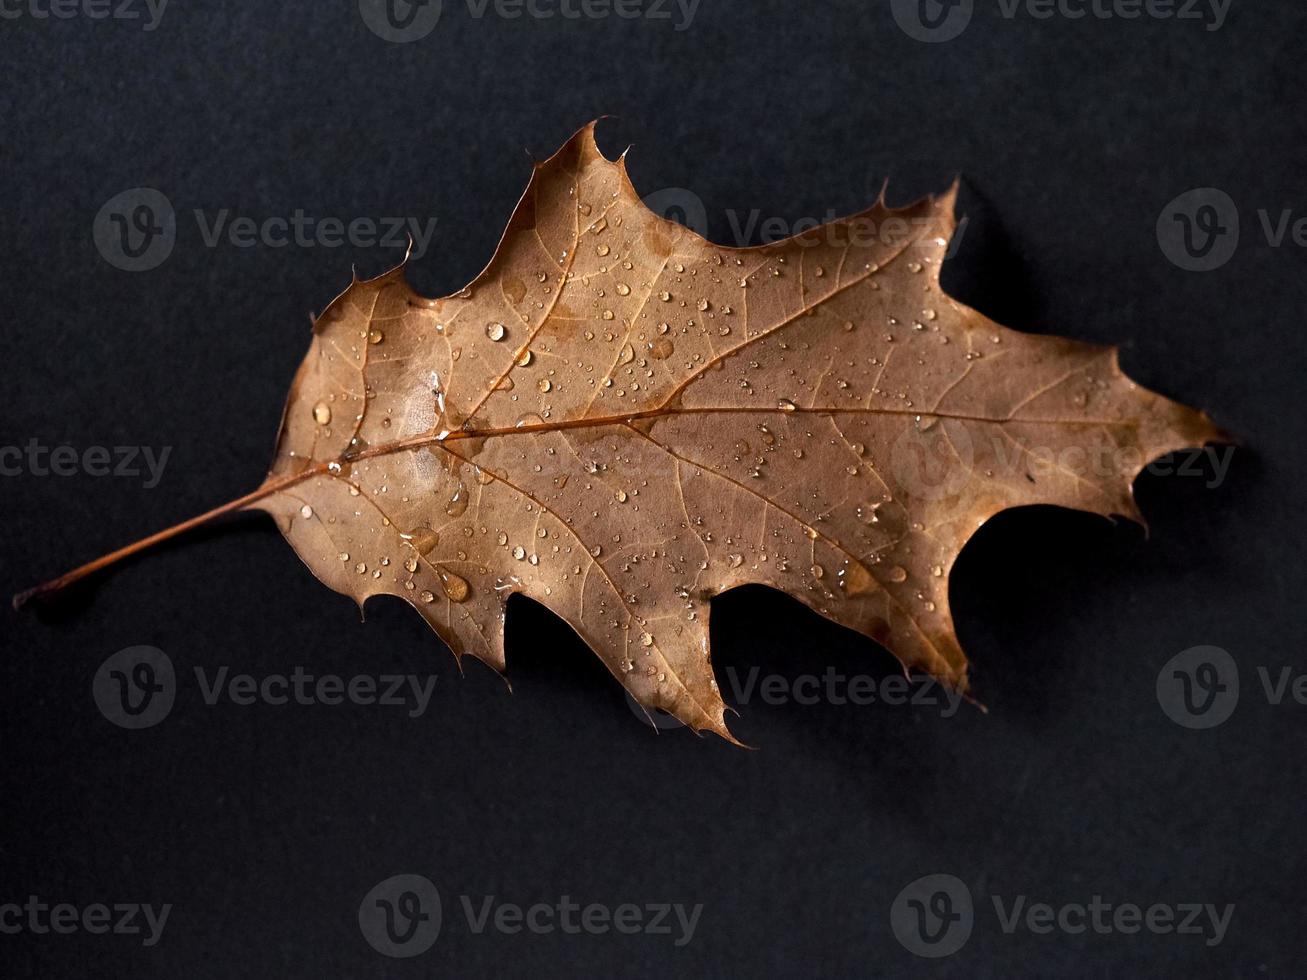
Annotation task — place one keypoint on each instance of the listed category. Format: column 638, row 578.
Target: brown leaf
column 622, row 420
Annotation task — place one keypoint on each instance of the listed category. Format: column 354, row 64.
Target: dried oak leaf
column 622, row 420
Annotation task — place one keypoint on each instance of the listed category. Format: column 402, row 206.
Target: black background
column 264, row 826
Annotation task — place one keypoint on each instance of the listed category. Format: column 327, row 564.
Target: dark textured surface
column 264, row 826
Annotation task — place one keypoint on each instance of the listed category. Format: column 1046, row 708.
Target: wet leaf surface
column 621, row 420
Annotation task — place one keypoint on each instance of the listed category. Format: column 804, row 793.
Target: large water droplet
column 858, row 580
column 458, row 502
column 423, row 540
column 455, row 586
column 661, row 349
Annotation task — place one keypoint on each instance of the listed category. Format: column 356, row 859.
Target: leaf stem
column 55, row 586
